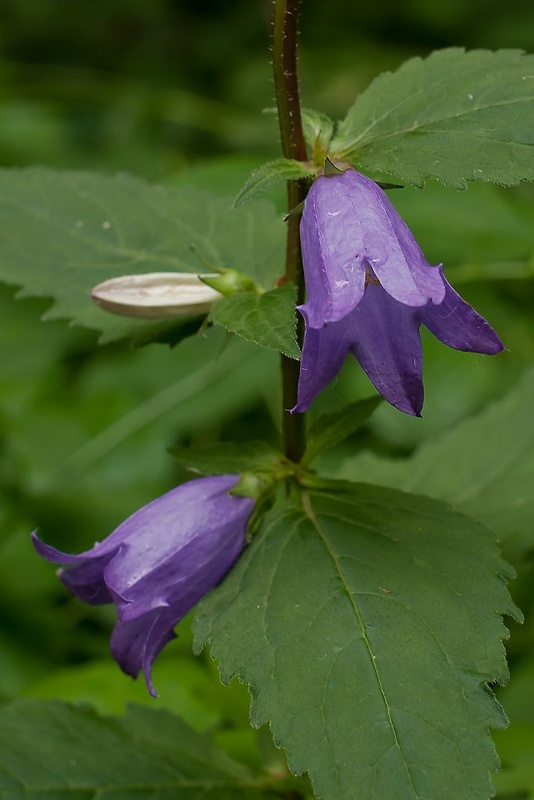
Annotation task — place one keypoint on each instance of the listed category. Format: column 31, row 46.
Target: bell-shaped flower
column 158, row 564
column 369, row 288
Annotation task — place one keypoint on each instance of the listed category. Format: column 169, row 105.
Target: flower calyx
column 230, row 281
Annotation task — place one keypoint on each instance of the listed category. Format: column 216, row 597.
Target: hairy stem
column 293, row 146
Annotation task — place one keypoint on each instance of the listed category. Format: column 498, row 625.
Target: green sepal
column 318, row 131
column 262, row 488
column 253, row 484
column 230, row 281
column 330, row 168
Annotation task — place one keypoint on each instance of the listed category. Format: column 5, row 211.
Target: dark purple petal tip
column 51, row 553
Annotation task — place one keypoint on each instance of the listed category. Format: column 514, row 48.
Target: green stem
column 293, row 146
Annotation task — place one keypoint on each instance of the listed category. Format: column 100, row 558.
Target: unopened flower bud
column 156, row 295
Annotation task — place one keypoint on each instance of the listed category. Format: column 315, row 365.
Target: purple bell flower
column 158, row 564
column 369, row 289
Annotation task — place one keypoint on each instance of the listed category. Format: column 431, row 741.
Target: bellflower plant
column 366, row 613
column 158, row 564
column 369, row 289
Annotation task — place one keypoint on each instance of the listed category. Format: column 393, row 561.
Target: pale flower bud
column 156, row 295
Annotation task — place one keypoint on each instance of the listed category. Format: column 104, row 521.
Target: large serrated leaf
column 484, row 466
column 65, row 232
column 367, row 626
column 456, row 116
column 50, row 750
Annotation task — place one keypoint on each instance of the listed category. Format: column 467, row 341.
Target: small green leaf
column 455, row 116
column 271, row 174
column 318, row 131
column 330, row 429
column 65, row 232
column 51, row 750
column 367, row 626
column 228, row 457
column 483, row 466
column 267, row 319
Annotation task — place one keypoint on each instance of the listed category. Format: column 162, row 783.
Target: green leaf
column 318, row 131
column 272, row 174
column 367, row 626
column 127, row 409
column 65, row 232
column 455, row 116
column 484, row 466
column 330, row 429
column 228, row 457
column 516, row 744
column 101, row 685
column 268, row 319
column 516, row 780
column 486, row 232
column 50, row 750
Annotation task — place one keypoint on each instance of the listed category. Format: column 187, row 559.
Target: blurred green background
column 154, row 85
column 175, row 91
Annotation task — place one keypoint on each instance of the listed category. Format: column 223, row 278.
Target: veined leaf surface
column 367, row 626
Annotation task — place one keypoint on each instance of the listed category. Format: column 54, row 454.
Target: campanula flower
column 158, row 564
column 369, row 289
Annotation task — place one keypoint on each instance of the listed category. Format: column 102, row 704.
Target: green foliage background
column 173, row 91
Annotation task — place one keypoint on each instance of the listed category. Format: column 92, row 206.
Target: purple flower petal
column 390, row 247
column 348, row 223
column 369, row 288
column 333, row 253
column 135, row 644
column 57, row 556
column 458, row 325
column 384, row 337
column 87, row 582
column 145, row 576
column 323, row 354
column 85, row 578
column 158, row 564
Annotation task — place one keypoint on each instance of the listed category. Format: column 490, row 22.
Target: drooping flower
column 369, row 289
column 158, row 564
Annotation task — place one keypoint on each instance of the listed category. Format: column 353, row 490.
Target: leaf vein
column 307, row 505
